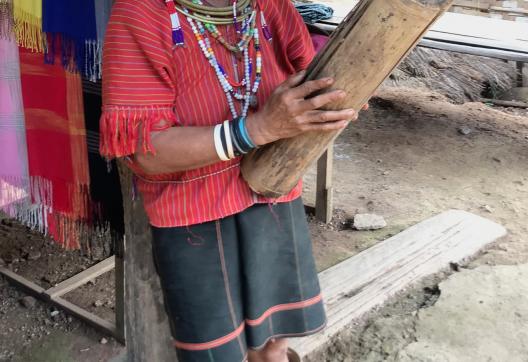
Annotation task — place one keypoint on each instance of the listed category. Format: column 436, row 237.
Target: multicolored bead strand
column 248, row 32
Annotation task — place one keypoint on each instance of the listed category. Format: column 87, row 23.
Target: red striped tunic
column 149, row 85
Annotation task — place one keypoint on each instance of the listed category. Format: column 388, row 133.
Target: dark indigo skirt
column 235, row 283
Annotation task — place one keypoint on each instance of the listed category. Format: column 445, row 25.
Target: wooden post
column 119, row 280
column 372, row 40
column 146, row 323
column 520, row 75
column 324, row 194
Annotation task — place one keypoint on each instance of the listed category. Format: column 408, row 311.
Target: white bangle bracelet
column 227, row 134
column 218, row 143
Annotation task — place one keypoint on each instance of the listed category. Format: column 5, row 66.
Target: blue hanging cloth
column 312, row 13
column 71, row 29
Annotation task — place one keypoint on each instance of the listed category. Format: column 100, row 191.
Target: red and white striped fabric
column 150, row 85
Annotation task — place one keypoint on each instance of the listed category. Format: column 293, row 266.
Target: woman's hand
column 287, row 113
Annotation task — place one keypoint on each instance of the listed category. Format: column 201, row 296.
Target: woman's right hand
column 288, row 113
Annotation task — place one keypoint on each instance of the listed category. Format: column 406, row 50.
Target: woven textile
column 56, row 137
column 14, row 178
column 71, row 29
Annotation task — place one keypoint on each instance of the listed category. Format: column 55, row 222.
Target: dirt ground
column 406, row 160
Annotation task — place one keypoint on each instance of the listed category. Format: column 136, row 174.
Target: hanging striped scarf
column 14, row 178
column 28, row 24
column 56, row 138
column 72, row 31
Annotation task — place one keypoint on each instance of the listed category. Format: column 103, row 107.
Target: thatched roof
column 460, row 77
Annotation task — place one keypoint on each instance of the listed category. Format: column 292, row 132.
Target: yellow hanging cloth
column 28, row 24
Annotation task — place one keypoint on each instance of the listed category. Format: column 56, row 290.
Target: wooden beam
column 22, row 282
column 357, row 285
column 520, row 74
column 90, row 318
column 120, row 292
column 324, row 191
column 475, row 50
column 81, row 278
column 364, row 50
column 500, row 102
column 40, row 293
column 146, row 323
column 522, row 12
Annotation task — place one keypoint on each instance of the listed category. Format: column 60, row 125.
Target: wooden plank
column 359, row 284
column 500, row 102
column 514, row 46
column 40, row 293
column 120, row 292
column 514, row 51
column 147, row 329
column 22, row 282
column 520, row 71
column 324, row 191
column 90, row 318
column 81, row 278
column 509, row 10
column 363, row 51
column 475, row 50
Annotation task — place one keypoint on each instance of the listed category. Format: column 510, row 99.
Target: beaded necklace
column 247, row 32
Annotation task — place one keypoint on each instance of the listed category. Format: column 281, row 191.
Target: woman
column 189, row 88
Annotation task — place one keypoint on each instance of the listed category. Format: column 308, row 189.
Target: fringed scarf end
column 28, row 30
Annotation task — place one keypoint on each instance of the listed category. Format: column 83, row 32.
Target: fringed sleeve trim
column 126, row 130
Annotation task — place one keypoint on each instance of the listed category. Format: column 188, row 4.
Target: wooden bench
column 468, row 34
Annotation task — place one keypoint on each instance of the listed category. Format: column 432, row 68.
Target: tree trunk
column 146, row 323
column 372, row 40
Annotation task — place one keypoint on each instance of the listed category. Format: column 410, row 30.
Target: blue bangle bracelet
column 244, row 132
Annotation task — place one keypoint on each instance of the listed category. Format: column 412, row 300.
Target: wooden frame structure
column 55, row 295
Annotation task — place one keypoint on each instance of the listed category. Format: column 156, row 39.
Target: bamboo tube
column 371, row 41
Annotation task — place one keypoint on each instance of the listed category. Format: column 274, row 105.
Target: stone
column 485, row 308
column 496, row 159
column 487, row 208
column 98, row 303
column 28, row 302
column 54, row 313
column 104, row 340
column 464, row 130
column 33, row 255
column 369, row 222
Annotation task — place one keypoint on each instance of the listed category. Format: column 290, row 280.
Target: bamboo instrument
column 371, row 41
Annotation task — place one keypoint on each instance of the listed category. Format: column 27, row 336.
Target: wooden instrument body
column 363, row 51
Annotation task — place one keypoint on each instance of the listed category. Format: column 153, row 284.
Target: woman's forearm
column 179, row 149
column 287, row 113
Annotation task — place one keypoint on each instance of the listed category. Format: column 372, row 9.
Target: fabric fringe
column 13, row 194
column 123, row 129
column 7, row 21
column 34, row 208
column 85, row 59
column 93, row 60
column 28, row 30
